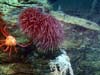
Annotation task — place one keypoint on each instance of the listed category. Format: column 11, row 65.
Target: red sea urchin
column 43, row 28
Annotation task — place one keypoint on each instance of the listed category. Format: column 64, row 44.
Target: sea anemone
column 46, row 32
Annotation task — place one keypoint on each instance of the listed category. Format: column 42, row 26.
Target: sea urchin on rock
column 46, row 32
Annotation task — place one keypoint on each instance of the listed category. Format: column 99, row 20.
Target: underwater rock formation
column 72, row 20
column 84, row 61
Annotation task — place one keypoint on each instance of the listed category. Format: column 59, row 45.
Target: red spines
column 44, row 29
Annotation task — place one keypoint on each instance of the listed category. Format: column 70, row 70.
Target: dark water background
column 89, row 9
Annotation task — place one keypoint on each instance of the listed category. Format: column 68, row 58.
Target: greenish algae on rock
column 72, row 20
